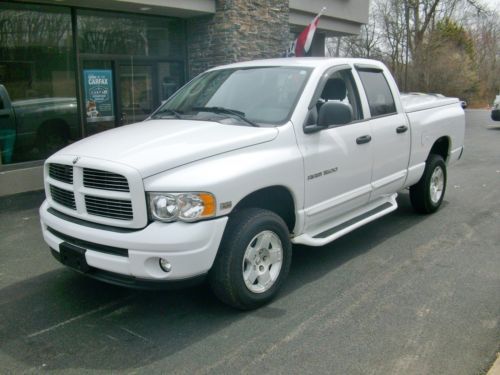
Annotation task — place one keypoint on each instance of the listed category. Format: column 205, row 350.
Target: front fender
column 234, row 175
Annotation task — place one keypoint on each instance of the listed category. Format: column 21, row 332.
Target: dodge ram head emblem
column 75, row 160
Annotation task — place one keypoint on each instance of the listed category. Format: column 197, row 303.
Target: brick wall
column 239, row 30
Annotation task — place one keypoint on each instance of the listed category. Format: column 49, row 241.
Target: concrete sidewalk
column 495, row 369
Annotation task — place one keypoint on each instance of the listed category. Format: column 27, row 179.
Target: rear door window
column 378, row 93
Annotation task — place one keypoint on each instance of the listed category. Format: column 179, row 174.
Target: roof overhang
column 328, row 25
column 172, row 8
column 341, row 17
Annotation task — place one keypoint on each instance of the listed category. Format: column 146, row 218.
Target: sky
column 493, row 3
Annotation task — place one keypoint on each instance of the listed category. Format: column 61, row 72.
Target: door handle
column 363, row 139
column 401, row 129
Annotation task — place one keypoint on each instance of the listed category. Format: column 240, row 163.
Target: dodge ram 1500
column 239, row 164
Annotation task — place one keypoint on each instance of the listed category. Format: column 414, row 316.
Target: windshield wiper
column 227, row 111
column 165, row 111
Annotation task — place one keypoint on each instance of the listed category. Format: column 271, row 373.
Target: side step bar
column 383, row 208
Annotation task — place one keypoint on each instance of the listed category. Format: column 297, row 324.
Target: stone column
column 239, row 30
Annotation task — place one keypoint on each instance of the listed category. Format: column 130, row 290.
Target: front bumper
column 134, row 254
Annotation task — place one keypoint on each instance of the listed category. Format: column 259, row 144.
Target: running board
column 383, row 208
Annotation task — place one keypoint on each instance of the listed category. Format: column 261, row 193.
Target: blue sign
column 99, row 104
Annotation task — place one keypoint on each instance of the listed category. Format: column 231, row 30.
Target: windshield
column 258, row 95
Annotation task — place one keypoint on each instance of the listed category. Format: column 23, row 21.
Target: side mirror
column 334, row 113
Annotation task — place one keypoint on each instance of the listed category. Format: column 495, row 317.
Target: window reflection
column 38, row 82
column 39, row 113
column 123, row 34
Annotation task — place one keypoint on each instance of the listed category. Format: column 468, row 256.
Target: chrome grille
column 61, row 172
column 94, row 178
column 63, row 197
column 107, row 207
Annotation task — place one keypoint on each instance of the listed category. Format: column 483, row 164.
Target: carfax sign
column 99, row 105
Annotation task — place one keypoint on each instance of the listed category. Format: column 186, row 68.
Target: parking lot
column 406, row 294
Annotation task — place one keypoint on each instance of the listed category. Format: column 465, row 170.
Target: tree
column 448, row 58
column 447, row 46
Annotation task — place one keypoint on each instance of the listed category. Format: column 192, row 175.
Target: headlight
column 181, row 206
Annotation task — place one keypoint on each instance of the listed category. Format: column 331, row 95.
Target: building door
column 143, row 86
column 118, row 92
column 137, row 97
column 98, row 96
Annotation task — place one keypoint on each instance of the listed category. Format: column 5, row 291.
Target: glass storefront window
column 142, row 55
column 37, row 82
column 141, row 59
column 170, row 78
column 126, row 34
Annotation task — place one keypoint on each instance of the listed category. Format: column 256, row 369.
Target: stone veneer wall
column 239, row 30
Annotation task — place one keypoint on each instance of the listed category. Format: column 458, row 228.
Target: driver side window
column 341, row 88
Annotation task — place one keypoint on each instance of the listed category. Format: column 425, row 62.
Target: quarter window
column 378, row 93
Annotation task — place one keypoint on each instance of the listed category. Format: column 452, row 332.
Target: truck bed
column 413, row 102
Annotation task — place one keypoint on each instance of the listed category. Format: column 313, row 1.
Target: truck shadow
column 326, row 258
column 61, row 320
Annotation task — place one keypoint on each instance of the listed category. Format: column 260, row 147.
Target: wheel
column 253, row 259
column 427, row 194
column 495, row 115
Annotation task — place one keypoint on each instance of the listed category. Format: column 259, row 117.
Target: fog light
column 165, row 265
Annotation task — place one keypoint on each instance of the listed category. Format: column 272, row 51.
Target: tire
column 427, row 194
column 248, row 233
column 495, row 115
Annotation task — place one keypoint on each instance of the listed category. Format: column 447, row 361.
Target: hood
column 155, row 146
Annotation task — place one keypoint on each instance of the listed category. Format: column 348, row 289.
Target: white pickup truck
column 242, row 162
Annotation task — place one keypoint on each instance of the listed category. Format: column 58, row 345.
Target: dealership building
column 70, row 68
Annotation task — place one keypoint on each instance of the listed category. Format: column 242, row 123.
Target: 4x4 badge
column 75, row 160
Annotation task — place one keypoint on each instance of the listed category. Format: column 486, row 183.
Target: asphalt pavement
column 407, row 294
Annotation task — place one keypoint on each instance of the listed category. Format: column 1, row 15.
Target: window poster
column 98, row 86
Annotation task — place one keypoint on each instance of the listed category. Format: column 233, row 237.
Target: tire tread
column 419, row 193
column 222, row 276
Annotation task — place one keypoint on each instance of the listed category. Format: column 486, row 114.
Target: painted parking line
column 78, row 317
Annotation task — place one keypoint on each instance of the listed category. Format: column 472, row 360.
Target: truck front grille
column 61, row 172
column 96, row 191
column 97, row 179
column 107, row 207
column 63, row 197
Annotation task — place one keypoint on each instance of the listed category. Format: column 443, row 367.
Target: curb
column 495, row 369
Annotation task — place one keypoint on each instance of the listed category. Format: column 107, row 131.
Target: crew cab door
column 390, row 132
column 337, row 160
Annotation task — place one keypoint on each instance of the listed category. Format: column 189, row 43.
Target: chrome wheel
column 436, row 185
column 262, row 261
